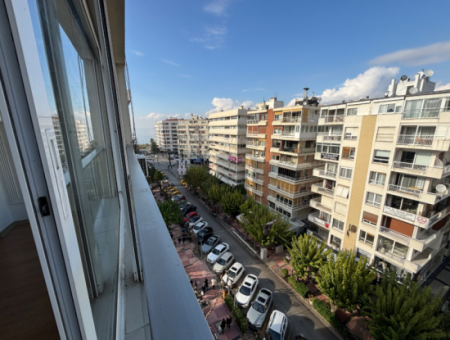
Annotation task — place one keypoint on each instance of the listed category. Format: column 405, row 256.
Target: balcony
column 254, row 179
column 255, row 158
column 295, row 166
column 320, row 219
column 257, row 170
column 418, row 194
column 331, row 119
column 291, row 179
column 285, row 205
column 422, row 114
column 256, row 147
column 256, row 122
column 329, row 136
column 256, row 135
column 395, row 235
column 250, row 188
column 297, row 119
column 291, row 194
column 437, row 171
column 295, row 150
column 434, row 142
column 316, row 204
column 325, row 174
column 322, row 190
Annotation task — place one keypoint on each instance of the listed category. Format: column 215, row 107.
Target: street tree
column 215, row 194
column 405, row 311
column 266, row 226
column 152, row 172
column 153, row 146
column 195, row 176
column 158, row 176
column 170, row 212
column 307, row 254
column 231, row 201
column 210, row 181
column 346, row 280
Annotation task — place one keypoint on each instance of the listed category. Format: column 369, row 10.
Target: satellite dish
column 413, row 90
column 441, row 188
column 429, row 73
column 403, row 78
column 390, row 93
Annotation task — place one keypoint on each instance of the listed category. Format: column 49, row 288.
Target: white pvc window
column 373, row 199
column 366, row 237
column 377, row 178
column 381, row 156
column 339, row 225
column 345, row 172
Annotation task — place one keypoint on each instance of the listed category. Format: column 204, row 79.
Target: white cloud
column 228, row 104
column 213, row 38
column 373, row 82
column 431, row 54
column 137, row 53
column 217, row 7
column 255, row 89
column 170, row 62
column 183, row 75
column 442, row 87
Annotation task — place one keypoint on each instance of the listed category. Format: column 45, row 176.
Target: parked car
column 174, row 193
column 196, row 227
column 233, row 274
column 217, row 252
column 194, row 220
column 184, row 205
column 204, row 234
column 188, row 209
column 224, row 262
column 183, row 182
column 260, row 309
column 179, row 198
column 278, row 324
column 246, row 291
column 210, row 243
column 189, row 216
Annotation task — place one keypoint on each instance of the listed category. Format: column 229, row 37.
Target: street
column 301, row 320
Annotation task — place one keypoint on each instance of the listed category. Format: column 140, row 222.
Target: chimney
column 241, row 107
column 305, row 94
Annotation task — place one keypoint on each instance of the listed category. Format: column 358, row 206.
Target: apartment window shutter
column 370, row 217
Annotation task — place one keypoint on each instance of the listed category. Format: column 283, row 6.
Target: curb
column 245, row 243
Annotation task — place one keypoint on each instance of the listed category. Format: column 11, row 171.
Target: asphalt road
column 301, row 320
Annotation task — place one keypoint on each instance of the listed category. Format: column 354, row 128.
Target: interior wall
column 12, row 208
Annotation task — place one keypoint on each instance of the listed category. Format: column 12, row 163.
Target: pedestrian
column 229, row 319
column 184, row 238
column 203, row 289
column 206, row 283
column 213, row 283
column 191, row 283
column 222, row 326
column 179, row 240
column 195, row 285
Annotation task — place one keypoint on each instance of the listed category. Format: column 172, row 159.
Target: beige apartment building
column 227, row 147
column 166, row 135
column 193, row 139
column 385, row 186
column 280, row 163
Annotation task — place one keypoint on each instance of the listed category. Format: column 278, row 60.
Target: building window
column 348, row 153
column 335, row 241
column 328, row 148
column 366, row 237
column 381, row 156
column 369, row 218
column 342, row 191
column 373, row 199
column 346, row 172
column 385, row 134
column 352, row 112
column 278, row 117
column 351, row 133
column 339, row 225
column 377, row 178
column 386, row 108
column 340, row 208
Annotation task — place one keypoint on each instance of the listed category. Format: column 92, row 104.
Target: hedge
column 298, row 286
column 324, row 310
column 241, row 319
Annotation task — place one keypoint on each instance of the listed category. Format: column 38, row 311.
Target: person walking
column 206, row 283
column 229, row 320
column 222, row 326
column 191, row 283
column 195, row 285
column 213, row 283
column 203, row 289
column 179, row 240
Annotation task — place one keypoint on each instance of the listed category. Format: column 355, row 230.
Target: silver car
column 225, row 261
column 260, row 308
column 210, row 244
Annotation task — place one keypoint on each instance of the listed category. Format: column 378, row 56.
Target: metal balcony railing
column 333, row 119
column 410, row 166
column 287, row 133
column 405, row 190
column 291, row 119
column 418, row 140
column 395, row 235
column 422, row 114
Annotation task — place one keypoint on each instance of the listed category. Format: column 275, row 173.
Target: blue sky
column 199, row 56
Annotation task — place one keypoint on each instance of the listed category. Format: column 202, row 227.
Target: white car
column 233, row 274
column 225, row 261
column 278, row 324
column 246, row 291
column 217, row 252
column 195, row 220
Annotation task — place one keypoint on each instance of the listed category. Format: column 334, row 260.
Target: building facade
column 167, row 135
column 280, row 164
column 227, row 145
column 193, row 139
column 385, row 189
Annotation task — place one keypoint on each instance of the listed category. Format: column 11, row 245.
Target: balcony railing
column 327, row 173
column 410, row 166
column 319, row 219
column 287, row 133
column 390, row 254
column 333, row 119
column 294, row 179
column 291, row 119
column 290, row 192
column 418, row 140
column 395, row 235
column 405, row 190
column 324, row 190
column 252, row 121
column 332, row 138
column 317, row 204
column 421, row 114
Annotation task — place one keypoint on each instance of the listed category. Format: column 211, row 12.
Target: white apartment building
column 386, row 187
column 227, row 145
column 193, row 139
column 166, row 135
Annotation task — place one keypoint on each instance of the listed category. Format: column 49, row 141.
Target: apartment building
column 227, row 130
column 385, row 189
column 167, row 135
column 279, row 166
column 85, row 251
column 193, row 139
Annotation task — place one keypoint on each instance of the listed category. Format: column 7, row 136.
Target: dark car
column 204, row 234
column 188, row 209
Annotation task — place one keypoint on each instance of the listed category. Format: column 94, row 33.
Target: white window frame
column 338, row 223
column 352, row 111
column 373, row 202
column 386, row 107
column 377, row 182
column 380, row 160
column 350, row 133
column 344, row 172
column 343, row 191
column 364, row 238
column 340, row 208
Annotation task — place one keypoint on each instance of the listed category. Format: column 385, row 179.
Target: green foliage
column 284, row 272
column 195, row 176
column 406, row 311
column 308, row 254
column 326, row 312
column 231, row 202
column 241, row 189
column 209, row 183
column 215, row 193
column 153, row 146
column 170, row 212
column 229, row 301
column 345, row 280
column 239, row 316
column 266, row 226
column 152, row 172
column 158, row 176
column 298, row 286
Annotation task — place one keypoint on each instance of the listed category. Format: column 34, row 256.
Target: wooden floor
column 25, row 310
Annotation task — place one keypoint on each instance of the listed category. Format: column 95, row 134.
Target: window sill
column 337, row 229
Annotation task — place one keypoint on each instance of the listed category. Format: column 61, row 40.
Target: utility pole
column 170, row 165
